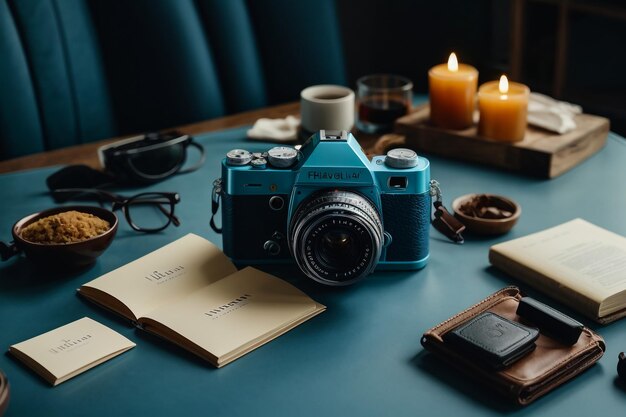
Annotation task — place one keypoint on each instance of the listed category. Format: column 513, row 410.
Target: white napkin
column 277, row 130
column 550, row 114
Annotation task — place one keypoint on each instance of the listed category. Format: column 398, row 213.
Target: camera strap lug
column 216, row 195
column 442, row 220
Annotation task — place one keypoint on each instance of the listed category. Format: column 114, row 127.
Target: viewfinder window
column 398, row 182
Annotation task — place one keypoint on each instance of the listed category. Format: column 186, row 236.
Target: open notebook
column 189, row 293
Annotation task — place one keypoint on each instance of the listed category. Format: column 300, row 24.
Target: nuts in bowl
column 486, row 214
column 66, row 227
column 68, row 237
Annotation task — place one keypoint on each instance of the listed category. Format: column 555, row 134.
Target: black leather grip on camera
column 248, row 222
column 406, row 218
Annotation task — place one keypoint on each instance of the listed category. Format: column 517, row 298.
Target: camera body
column 327, row 207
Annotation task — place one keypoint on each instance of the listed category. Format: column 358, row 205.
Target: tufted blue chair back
column 74, row 71
column 53, row 92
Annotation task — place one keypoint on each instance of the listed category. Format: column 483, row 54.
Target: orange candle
column 452, row 94
column 503, row 108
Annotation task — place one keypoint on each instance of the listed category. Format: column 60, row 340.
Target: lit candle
column 503, row 108
column 452, row 94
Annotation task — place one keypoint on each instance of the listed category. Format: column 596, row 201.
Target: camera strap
column 442, row 220
column 216, row 195
column 79, row 176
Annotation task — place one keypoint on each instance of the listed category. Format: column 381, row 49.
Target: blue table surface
column 361, row 357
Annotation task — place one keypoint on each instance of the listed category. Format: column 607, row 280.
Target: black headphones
column 139, row 160
column 148, row 158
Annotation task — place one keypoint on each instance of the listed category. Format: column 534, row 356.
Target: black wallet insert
column 492, row 340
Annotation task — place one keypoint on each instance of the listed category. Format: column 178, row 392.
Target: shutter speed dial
column 259, row 163
column 282, row 156
column 401, row 158
column 238, row 157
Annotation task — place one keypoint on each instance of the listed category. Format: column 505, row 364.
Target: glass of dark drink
column 382, row 98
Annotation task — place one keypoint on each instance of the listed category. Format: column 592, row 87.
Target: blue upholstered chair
column 53, row 90
column 75, row 71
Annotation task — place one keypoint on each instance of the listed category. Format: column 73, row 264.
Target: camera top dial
column 258, row 163
column 238, row 157
column 401, row 158
column 282, row 156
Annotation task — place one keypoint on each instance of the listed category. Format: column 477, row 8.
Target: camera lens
column 336, row 237
column 337, row 246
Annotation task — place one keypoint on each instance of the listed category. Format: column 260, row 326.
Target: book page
column 236, row 311
column 165, row 275
column 71, row 349
column 579, row 255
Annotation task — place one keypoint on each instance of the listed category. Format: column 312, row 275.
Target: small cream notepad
column 63, row 353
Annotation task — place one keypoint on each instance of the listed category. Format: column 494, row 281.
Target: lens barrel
column 336, row 237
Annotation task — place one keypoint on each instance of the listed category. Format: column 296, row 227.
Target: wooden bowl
column 482, row 226
column 66, row 255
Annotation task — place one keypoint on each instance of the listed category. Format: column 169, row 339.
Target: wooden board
column 541, row 153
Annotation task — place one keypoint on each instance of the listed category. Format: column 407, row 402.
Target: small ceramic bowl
column 66, row 255
column 483, row 226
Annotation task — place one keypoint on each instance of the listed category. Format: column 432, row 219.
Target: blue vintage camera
column 327, row 207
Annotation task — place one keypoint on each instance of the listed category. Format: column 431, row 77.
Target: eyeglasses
column 146, row 212
column 148, row 158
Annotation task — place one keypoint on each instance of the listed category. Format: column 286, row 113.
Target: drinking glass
column 382, row 98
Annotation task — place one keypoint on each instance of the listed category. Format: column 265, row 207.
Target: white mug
column 326, row 107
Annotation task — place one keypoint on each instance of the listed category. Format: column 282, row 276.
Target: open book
column 190, row 293
column 578, row 263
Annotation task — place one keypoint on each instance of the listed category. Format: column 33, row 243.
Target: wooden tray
column 541, row 153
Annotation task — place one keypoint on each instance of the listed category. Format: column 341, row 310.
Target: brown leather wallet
column 540, row 371
column 4, row 393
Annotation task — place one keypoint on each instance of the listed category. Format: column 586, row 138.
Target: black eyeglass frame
column 119, row 202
